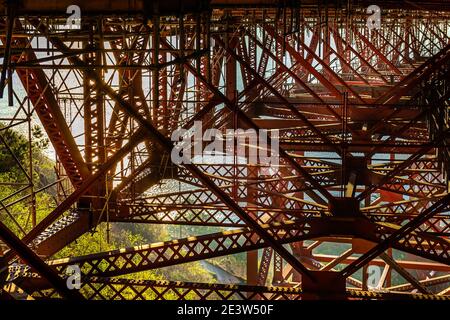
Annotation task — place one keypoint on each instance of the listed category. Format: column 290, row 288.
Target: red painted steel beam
column 417, row 76
column 397, row 236
column 416, row 156
column 285, row 102
column 123, row 288
column 322, row 79
column 194, row 248
column 327, row 84
column 374, row 49
column 405, row 274
column 118, row 7
column 243, row 117
column 22, row 250
column 407, row 264
column 361, row 58
column 293, row 75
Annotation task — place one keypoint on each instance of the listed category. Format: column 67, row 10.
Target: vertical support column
column 405, row 30
column 230, row 74
column 277, row 269
column 203, row 62
column 365, row 276
column 159, row 79
column 252, row 267
column 252, row 50
column 95, row 153
column 326, row 44
column 230, row 92
column 155, row 74
column 30, row 156
column 162, row 97
column 252, row 256
column 278, row 203
column 297, row 251
column 94, row 109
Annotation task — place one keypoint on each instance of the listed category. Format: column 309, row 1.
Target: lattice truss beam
column 363, row 143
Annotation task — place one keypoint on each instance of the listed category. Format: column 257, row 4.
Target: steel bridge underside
column 363, row 122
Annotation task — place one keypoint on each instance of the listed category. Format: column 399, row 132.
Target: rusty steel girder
column 127, row 289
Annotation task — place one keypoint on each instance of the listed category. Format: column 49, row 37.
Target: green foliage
column 15, row 149
column 12, row 144
column 21, row 210
column 149, row 232
column 40, row 142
